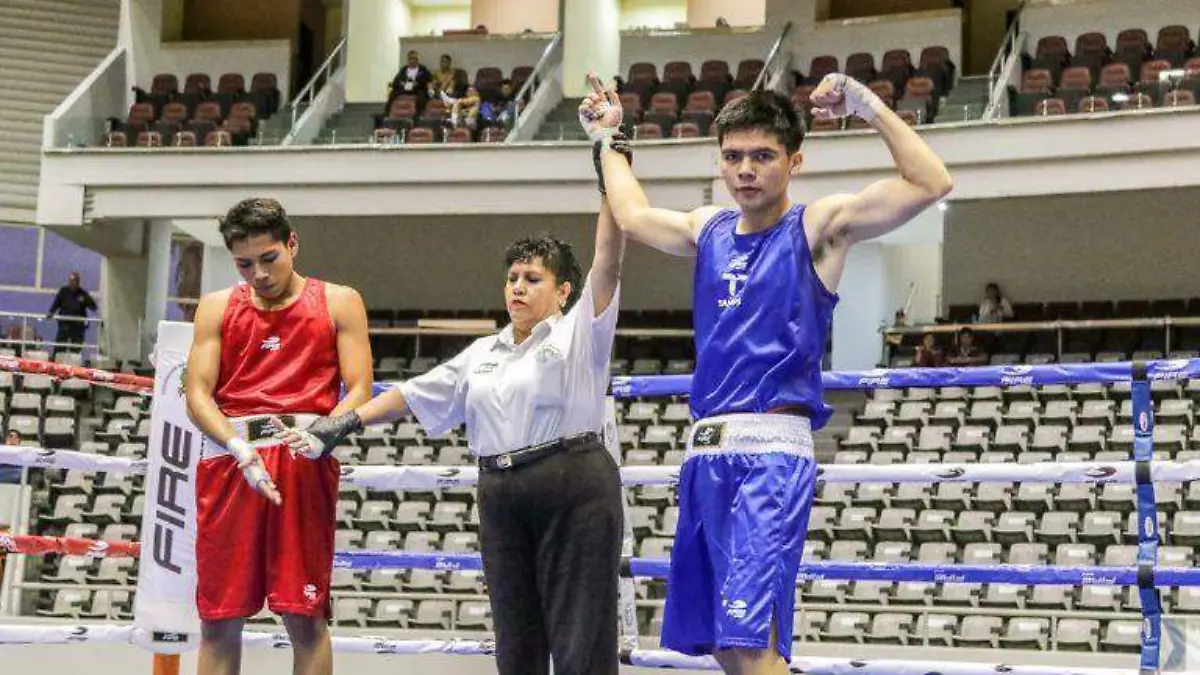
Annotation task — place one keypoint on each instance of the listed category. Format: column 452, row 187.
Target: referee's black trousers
column 550, row 533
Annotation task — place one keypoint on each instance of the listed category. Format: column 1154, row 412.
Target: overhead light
column 1120, row 97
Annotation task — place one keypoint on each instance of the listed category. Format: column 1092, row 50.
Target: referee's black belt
column 533, row 453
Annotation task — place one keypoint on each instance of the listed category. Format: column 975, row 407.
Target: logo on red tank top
column 272, row 344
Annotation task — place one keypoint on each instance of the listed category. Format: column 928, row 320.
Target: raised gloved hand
column 253, row 470
column 321, row 437
column 839, row 95
column 600, row 113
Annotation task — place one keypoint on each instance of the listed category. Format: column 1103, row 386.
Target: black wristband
column 619, row 142
column 332, row 430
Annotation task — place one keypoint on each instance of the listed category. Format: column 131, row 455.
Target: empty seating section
column 1096, row 75
column 198, row 114
column 682, row 103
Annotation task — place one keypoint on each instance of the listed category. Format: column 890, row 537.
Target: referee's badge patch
column 707, row 436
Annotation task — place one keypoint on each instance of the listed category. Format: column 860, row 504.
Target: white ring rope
column 78, row 634
column 429, row 477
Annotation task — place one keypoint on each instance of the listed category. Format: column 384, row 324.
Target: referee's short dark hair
column 556, row 255
column 255, row 216
column 766, row 111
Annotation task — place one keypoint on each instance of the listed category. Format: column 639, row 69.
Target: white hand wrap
column 860, row 100
column 313, row 448
column 250, row 463
column 589, row 120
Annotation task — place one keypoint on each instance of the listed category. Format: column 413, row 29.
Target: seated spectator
column 445, row 80
column 464, row 112
column 929, row 353
column 966, row 351
column 9, row 473
column 500, row 111
column 995, row 307
column 412, row 80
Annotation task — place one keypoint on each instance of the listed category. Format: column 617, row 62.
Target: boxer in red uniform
column 278, row 347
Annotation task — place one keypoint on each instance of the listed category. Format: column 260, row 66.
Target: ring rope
column 647, row 658
column 435, row 477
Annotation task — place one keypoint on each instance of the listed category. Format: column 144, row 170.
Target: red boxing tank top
column 278, row 361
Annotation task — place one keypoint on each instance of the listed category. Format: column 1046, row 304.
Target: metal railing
column 1058, row 327
column 26, row 337
column 540, row 74
column 1001, row 68
column 333, row 62
column 772, row 57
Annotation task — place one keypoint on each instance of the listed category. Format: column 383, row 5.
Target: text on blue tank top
column 761, row 319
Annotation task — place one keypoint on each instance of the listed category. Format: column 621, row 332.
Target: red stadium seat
column 116, row 139
column 197, row 83
column 826, row 124
column 184, row 139
column 218, row 138
column 385, row 135
column 820, row 66
column 1179, row 98
column 459, row 135
column 420, row 135
column 1092, row 104
column 685, row 130
column 861, row 66
column 747, row 73
column 493, row 135
column 1051, row 106
column 231, row 83
column 647, row 130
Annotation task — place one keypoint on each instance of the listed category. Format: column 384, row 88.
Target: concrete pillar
column 373, row 31
column 218, row 270
column 591, row 40
column 124, row 286
column 158, row 276
column 862, row 309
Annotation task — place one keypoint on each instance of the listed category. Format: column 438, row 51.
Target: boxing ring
column 1141, row 471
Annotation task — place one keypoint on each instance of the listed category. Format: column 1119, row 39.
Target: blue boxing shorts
column 745, row 493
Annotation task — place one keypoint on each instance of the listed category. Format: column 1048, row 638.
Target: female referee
column 550, row 499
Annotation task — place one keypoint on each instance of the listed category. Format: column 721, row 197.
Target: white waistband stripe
column 752, row 433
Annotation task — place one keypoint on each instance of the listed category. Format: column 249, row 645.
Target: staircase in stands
column 562, row 123
column 47, row 47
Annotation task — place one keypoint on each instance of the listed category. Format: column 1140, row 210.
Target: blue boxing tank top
column 761, row 318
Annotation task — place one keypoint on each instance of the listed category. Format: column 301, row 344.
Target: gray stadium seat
column 433, row 614
column 934, row 439
column 855, row 523
column 846, row 627
column 351, row 611
column 1122, row 636
column 994, row 497
column 948, row 412
column 1099, row 598
column 411, row 516
column 1036, row 497
column 972, row 526
column 912, row 495
column 474, row 615
column 384, row 541
column 938, row 629
column 1101, row 528
column 69, row 603
column 113, row 571
column 1011, row 437
column 460, row 542
column 893, row 438
column 1185, row 528
column 894, row 524
column 453, row 455
column 417, row 541
column 889, row 628
column 952, row 496
column 1077, row 635
column 978, row 631
column 986, row 413
column 1087, row 437
column 1029, row 554
column 1050, row 597
column 1026, row 633
column 1075, row 555
column 972, row 439
column 885, row 457
column 848, row 551
column 932, row 525
column 1077, row 497
column 1117, row 497
column 1011, row 596
column 1049, row 438
column 375, row 515
column 1058, row 527
column 423, row 581
column 869, row 592
column 416, row 455
column 344, row 580
column 469, row 582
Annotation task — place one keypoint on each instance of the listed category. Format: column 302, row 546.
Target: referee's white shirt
column 511, row 395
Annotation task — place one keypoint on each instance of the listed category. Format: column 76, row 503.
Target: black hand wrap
column 332, row 430
column 619, row 143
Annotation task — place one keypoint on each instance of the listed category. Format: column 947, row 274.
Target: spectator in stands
column 464, row 112
column 9, row 473
column 995, row 307
column 72, row 304
column 929, row 353
column 445, row 80
column 967, row 352
column 412, row 80
column 501, row 109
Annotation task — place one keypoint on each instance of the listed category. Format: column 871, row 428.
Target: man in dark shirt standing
column 74, row 302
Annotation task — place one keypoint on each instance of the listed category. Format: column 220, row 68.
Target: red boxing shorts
column 249, row 550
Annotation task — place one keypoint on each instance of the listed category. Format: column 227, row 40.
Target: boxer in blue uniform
column 765, row 287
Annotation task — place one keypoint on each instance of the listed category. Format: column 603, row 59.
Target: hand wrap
column 326, row 433
column 251, row 464
column 618, row 142
column 860, row 100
